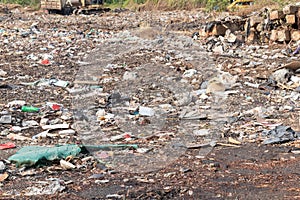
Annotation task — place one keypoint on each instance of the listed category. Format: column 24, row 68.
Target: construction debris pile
column 263, row 26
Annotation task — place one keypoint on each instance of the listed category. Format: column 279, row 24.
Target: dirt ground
column 156, row 52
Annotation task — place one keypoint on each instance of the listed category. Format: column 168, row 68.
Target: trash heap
column 84, row 99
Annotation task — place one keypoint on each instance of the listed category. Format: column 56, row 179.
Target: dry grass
column 259, row 5
column 166, row 5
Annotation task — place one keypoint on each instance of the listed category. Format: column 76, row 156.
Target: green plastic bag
column 31, row 155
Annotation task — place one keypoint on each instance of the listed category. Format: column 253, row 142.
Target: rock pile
column 264, row 26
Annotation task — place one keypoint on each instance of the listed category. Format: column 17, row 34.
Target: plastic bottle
column 29, row 109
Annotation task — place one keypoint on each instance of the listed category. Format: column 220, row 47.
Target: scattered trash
column 45, row 188
column 281, row 75
column 296, row 51
column 13, row 136
column 201, row 132
column 49, row 82
column 215, row 85
column 66, row 132
column 5, row 119
column 2, row 166
column 3, row 73
column 29, row 109
column 3, row 177
column 280, row 134
column 37, row 68
column 116, row 196
column 8, row 145
column 66, row 165
column 145, row 111
column 40, row 135
column 233, row 141
column 16, row 103
column 56, row 126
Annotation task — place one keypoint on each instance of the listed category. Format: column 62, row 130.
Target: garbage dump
column 149, row 105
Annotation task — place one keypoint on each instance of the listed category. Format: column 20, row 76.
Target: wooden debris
column 295, row 65
column 234, row 141
column 227, row 145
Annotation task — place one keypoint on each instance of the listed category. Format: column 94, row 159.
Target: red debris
column 8, row 145
column 45, row 62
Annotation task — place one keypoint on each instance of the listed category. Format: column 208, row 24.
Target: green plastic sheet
column 31, row 155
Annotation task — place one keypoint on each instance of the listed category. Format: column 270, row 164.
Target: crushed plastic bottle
column 29, row 109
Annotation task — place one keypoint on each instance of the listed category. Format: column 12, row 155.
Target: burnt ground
column 245, row 170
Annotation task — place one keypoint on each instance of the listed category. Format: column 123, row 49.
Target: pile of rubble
column 263, row 26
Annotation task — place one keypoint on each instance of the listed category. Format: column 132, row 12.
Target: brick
column 290, row 9
column 295, row 35
column 290, row 19
column 284, row 35
column 274, row 35
column 276, row 15
column 252, row 36
column 219, row 29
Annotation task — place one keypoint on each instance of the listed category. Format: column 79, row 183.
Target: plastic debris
column 280, row 134
column 29, row 109
column 45, row 188
column 5, row 119
column 146, row 111
column 31, row 155
column 49, row 82
column 8, row 145
column 66, row 165
column 55, row 126
column 296, row 51
column 2, row 166
column 66, row 132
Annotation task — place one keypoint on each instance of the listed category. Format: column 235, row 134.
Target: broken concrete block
column 276, row 14
column 202, row 33
column 240, row 38
column 259, row 27
column 231, row 38
column 284, row 35
column 274, row 35
column 290, row 9
column 290, row 19
column 295, row 35
column 219, row 29
column 218, row 49
column 254, row 20
column 252, row 36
